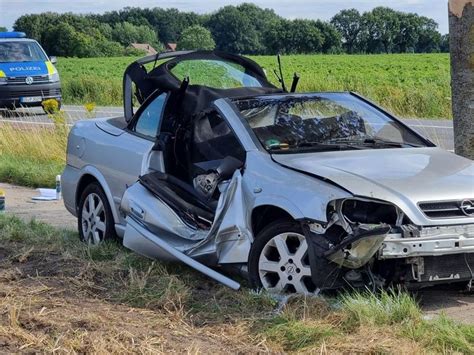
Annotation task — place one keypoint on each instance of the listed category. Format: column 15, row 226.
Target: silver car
column 301, row 192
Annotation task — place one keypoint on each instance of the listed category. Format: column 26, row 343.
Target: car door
column 131, row 153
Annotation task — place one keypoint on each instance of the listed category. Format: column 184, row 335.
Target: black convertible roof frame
column 193, row 98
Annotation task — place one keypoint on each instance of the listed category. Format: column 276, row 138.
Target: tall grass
column 32, row 155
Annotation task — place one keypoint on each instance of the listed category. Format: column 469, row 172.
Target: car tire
column 278, row 260
column 95, row 220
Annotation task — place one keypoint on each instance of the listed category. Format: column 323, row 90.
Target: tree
column 3, row 29
column 461, row 23
column 170, row 23
column 196, row 37
column 331, row 37
column 127, row 33
column 444, row 44
column 233, row 32
column 349, row 25
column 429, row 38
column 382, row 25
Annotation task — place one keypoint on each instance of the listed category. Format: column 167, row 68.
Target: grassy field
column 410, row 85
column 34, row 156
column 58, row 295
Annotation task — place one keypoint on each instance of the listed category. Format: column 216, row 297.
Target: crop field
column 410, row 85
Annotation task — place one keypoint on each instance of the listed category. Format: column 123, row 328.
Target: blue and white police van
column 27, row 74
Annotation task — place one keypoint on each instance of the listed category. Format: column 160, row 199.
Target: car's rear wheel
column 278, row 260
column 95, row 220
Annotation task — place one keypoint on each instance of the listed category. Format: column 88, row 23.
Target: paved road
column 439, row 131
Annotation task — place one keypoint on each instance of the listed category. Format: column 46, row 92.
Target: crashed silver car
column 301, row 192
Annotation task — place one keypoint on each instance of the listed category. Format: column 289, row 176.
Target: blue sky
column 313, row 9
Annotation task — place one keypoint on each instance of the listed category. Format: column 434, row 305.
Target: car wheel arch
column 89, row 176
column 264, row 215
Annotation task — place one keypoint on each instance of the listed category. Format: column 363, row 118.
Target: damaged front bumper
column 381, row 255
column 429, row 241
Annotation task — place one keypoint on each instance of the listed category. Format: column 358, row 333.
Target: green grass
column 410, row 85
column 29, row 172
column 389, row 322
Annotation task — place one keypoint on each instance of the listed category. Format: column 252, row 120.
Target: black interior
column 194, row 139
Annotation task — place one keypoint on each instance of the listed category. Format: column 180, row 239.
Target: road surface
column 439, row 131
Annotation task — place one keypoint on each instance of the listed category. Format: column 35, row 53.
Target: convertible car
column 213, row 166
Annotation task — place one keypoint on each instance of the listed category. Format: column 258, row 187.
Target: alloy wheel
column 284, row 266
column 93, row 219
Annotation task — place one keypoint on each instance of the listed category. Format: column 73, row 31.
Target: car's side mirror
column 53, row 59
column 228, row 166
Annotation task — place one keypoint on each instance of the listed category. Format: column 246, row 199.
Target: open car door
column 165, row 221
column 168, row 217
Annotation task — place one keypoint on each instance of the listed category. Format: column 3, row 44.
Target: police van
column 27, row 75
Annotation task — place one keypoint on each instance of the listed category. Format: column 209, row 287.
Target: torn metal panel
column 227, row 241
column 158, row 247
column 230, row 236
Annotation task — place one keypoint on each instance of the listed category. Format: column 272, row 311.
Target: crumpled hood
column 410, row 174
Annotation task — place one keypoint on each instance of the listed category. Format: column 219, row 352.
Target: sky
column 10, row 10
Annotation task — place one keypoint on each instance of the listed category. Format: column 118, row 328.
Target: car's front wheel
column 278, row 260
column 95, row 220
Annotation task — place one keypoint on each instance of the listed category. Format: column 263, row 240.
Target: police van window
column 21, row 51
column 149, row 120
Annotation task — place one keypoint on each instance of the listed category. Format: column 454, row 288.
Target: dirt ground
column 18, row 202
column 453, row 302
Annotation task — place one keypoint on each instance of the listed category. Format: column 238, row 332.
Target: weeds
column 33, row 155
column 386, row 308
column 60, row 295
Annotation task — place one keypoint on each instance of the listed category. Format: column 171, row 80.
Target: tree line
column 246, row 29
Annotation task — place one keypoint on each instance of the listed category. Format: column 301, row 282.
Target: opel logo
column 467, row 207
column 29, row 80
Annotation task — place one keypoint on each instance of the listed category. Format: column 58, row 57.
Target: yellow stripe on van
column 2, row 74
column 51, row 68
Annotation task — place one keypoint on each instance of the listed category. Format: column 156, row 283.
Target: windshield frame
column 40, row 49
column 232, row 102
column 225, row 64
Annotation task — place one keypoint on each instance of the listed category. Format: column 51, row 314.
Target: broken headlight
column 357, row 229
column 369, row 212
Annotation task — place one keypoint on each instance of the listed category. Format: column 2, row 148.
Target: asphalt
column 439, row 131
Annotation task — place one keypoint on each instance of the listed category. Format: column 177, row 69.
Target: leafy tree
column 127, row 33
column 234, row 32
column 3, row 29
column 196, row 37
column 429, row 38
column 170, row 23
column 444, row 44
column 382, row 25
column 331, row 37
column 349, row 24
column 245, row 28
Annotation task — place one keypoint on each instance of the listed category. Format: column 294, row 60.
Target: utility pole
column 461, row 37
